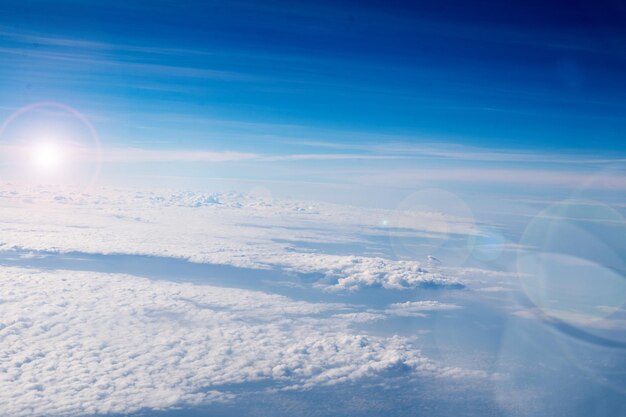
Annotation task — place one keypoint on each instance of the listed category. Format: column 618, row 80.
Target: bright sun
column 47, row 156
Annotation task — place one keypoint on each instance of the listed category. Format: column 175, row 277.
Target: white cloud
column 230, row 229
column 362, row 316
column 515, row 177
column 440, row 149
column 329, row 157
column 610, row 310
column 353, row 273
column 151, row 155
column 74, row 343
column 494, row 289
column 142, row 155
column 418, row 308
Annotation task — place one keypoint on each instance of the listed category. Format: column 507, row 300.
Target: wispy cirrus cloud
column 400, row 174
column 485, row 175
column 441, row 149
column 152, row 155
column 143, row 155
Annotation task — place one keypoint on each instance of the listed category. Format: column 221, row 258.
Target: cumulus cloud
column 75, row 343
column 355, row 272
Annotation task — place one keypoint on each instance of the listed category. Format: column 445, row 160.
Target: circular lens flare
column 75, row 160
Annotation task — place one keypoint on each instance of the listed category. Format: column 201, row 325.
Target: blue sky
column 411, row 95
column 525, row 75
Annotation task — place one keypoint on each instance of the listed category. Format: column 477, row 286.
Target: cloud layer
column 228, row 229
column 75, row 343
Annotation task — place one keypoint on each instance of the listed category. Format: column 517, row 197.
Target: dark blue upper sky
column 528, row 74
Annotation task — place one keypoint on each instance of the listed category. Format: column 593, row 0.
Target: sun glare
column 47, row 156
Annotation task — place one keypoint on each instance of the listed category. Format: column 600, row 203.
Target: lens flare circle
column 570, row 265
column 431, row 222
column 48, row 156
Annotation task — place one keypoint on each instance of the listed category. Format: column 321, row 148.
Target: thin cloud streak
column 521, row 177
column 148, row 155
column 395, row 177
column 463, row 153
column 330, row 157
column 145, row 155
column 141, row 155
column 381, row 176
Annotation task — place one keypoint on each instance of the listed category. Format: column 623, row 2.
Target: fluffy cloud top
column 74, row 343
